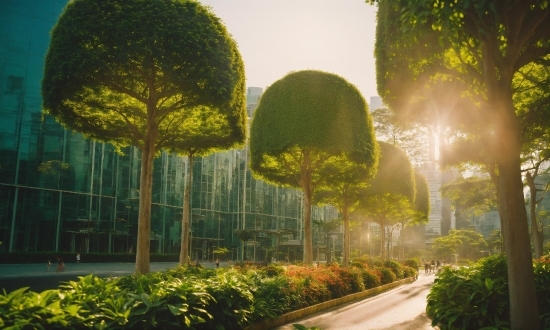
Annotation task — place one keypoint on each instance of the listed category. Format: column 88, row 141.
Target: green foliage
column 311, row 110
column 476, row 297
column 466, row 242
column 422, row 198
column 387, row 276
column 471, row 298
column 411, row 138
column 394, row 175
column 185, row 297
column 109, row 61
column 409, row 272
column 371, row 278
column 474, row 193
column 542, row 283
column 413, row 263
column 395, row 267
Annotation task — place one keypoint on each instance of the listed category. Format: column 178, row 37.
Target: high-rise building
column 253, row 95
column 434, row 178
column 62, row 192
column 375, row 103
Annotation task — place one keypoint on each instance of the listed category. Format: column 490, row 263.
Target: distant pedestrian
column 217, row 263
column 78, row 258
column 426, row 267
column 48, row 264
column 60, row 265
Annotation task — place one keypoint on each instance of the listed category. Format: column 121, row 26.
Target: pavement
column 39, row 278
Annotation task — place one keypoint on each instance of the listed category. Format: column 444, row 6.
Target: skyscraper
column 61, row 192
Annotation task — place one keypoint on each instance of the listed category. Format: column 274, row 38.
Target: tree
column 414, row 213
column 465, row 242
column 392, row 188
column 481, row 47
column 342, row 190
column 307, row 122
column 475, row 193
column 410, row 137
column 158, row 75
column 537, row 157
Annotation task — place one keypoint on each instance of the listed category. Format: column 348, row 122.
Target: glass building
column 61, row 192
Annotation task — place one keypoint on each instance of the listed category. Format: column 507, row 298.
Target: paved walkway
column 39, row 278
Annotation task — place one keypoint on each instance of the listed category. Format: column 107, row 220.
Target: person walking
column 217, row 263
column 60, row 265
column 78, row 258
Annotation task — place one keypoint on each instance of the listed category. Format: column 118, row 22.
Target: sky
column 276, row 37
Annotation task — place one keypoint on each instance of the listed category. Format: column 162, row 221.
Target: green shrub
column 409, row 272
column 185, row 297
column 471, row 298
column 272, row 298
column 387, row 276
column 412, row 262
column 542, row 283
column 371, row 278
column 395, row 267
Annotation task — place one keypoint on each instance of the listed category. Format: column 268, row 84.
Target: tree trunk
column 536, row 232
column 382, row 238
column 403, row 241
column 185, row 218
column 524, row 313
column 144, row 223
column 346, row 230
column 308, row 195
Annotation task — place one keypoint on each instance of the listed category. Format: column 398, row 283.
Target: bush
column 387, row 276
column 409, row 272
column 395, row 267
column 413, row 263
column 542, row 283
column 185, row 297
column 477, row 297
column 371, row 278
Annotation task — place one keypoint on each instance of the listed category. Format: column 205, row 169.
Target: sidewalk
column 39, row 278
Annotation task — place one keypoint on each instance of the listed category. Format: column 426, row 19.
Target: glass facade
column 61, row 192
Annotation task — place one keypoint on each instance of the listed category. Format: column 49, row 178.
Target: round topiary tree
column 309, row 128
column 155, row 74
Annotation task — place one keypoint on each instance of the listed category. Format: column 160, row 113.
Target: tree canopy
column 460, row 60
column 311, row 128
column 410, row 137
column 467, row 243
column 158, row 75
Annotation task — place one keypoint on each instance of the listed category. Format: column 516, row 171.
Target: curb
column 294, row 315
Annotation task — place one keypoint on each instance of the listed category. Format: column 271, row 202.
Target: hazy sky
column 279, row 36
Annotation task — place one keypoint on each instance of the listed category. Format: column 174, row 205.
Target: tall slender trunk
column 184, row 250
column 307, row 189
column 403, row 241
column 144, row 222
column 346, row 229
column 382, row 238
column 536, row 232
column 148, row 149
